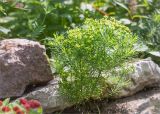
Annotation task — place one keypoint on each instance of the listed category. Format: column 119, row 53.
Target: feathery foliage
column 84, row 53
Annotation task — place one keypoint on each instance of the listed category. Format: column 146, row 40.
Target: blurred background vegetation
column 40, row 19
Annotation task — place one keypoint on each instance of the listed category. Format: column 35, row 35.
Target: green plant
column 150, row 32
column 149, row 37
column 36, row 19
column 21, row 106
column 82, row 55
column 39, row 19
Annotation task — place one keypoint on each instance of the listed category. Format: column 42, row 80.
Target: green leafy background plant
column 38, row 20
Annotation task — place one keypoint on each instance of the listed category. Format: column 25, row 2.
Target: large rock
column 22, row 63
column 146, row 102
column 147, row 73
column 49, row 97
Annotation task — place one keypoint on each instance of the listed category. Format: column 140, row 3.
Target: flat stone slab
column 146, row 102
column 146, row 74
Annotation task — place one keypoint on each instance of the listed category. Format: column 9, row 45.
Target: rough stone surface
column 144, row 102
column 49, row 97
column 141, row 103
column 22, row 63
column 147, row 73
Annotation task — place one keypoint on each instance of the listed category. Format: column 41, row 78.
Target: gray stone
column 49, row 97
column 145, row 102
column 22, row 63
column 146, row 74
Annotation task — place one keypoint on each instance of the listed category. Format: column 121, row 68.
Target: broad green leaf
column 125, row 21
column 40, row 110
column 122, row 5
column 139, row 16
column 140, row 47
column 6, row 101
column 155, row 53
column 4, row 30
column 6, row 19
column 32, row 111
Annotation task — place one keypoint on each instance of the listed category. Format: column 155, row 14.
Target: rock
column 146, row 102
column 147, row 73
column 49, row 97
column 22, row 63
